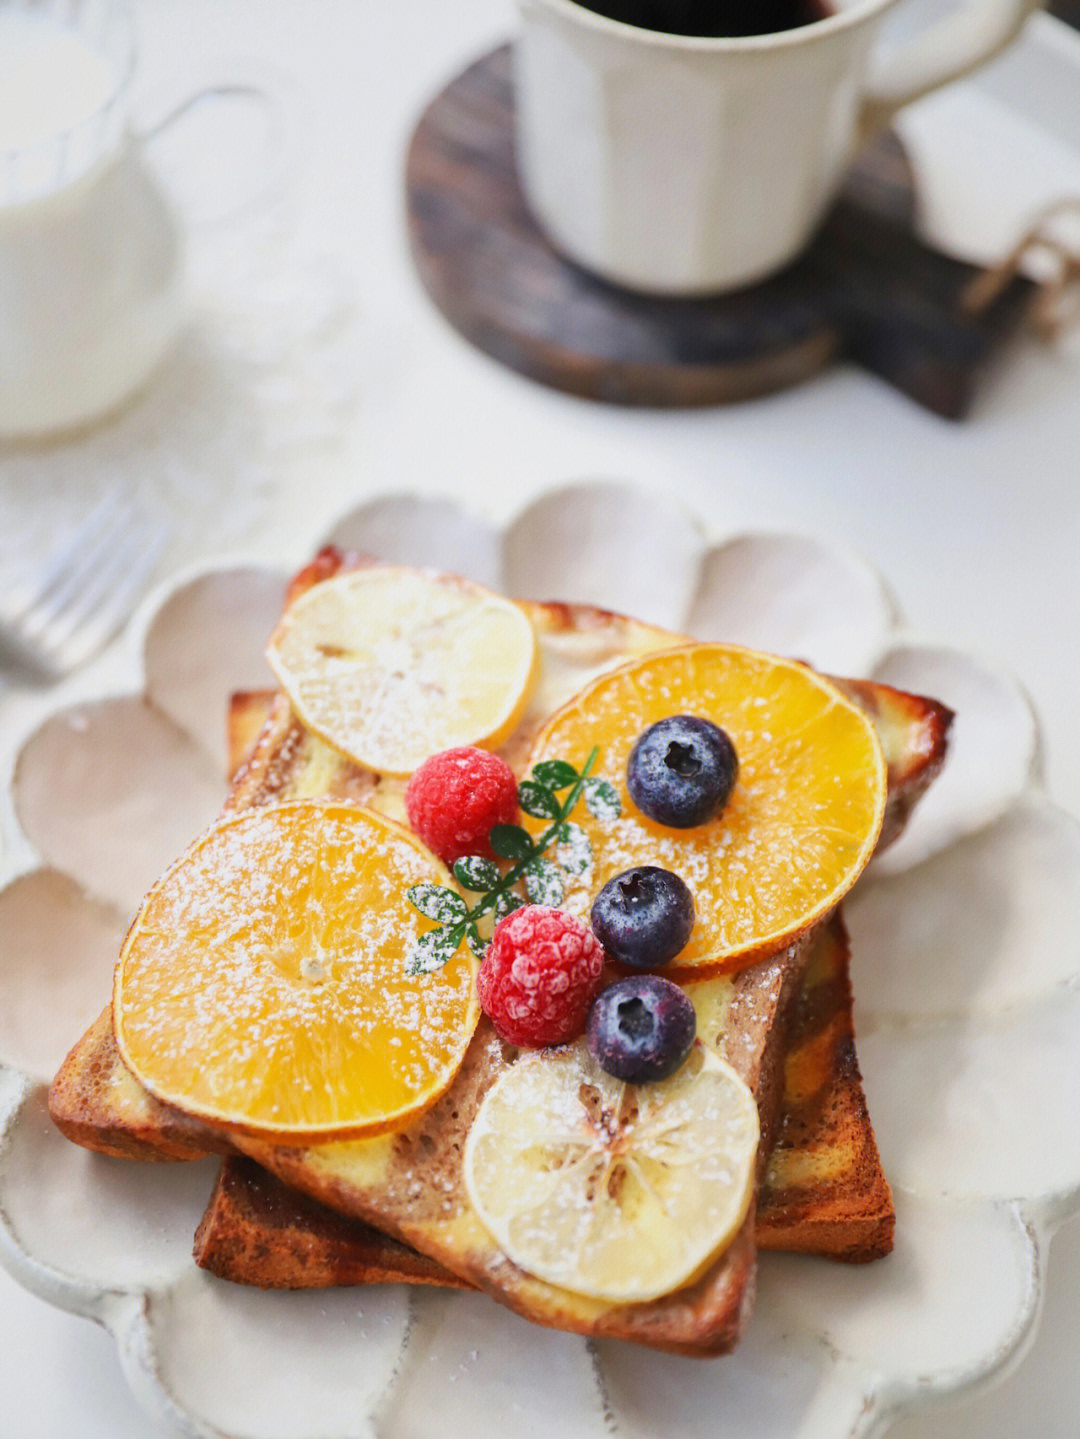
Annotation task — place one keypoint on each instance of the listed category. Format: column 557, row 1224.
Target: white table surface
column 976, row 526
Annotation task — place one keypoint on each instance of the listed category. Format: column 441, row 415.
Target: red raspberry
column 455, row 799
column 539, row 976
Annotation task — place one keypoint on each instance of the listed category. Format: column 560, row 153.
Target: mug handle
column 946, row 50
column 273, row 163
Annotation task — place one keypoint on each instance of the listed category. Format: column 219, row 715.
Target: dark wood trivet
column 866, row 288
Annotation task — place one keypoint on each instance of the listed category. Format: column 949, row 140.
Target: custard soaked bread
column 824, row 1191
column 410, row 1183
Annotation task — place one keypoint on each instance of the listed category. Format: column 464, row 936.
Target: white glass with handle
column 92, row 277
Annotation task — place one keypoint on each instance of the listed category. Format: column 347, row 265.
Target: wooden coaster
column 865, row 288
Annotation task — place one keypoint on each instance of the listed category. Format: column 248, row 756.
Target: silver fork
column 59, row 612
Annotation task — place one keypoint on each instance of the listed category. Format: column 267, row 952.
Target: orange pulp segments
column 799, row 827
column 263, row 986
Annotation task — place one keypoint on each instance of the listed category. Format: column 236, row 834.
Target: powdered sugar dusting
column 573, row 1171
column 803, row 815
column 267, row 979
column 395, row 665
column 539, row 976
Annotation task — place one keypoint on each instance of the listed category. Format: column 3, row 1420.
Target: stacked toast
column 395, row 1207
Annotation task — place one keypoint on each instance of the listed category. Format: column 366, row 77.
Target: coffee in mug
column 712, row 18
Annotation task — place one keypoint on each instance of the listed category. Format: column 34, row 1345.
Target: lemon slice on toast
column 617, row 1191
column 390, row 665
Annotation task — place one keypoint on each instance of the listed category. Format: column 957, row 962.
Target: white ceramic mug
column 682, row 165
column 92, row 277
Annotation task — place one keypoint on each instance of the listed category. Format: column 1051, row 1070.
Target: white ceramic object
column 966, row 971
column 92, row 277
column 688, row 165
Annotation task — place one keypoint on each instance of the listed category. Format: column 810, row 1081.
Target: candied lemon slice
column 801, row 822
column 265, row 985
column 392, row 665
column 619, row 1191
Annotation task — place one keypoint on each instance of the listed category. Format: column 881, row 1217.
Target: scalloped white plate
column 966, row 967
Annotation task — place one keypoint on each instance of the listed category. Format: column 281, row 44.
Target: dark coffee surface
column 712, row 18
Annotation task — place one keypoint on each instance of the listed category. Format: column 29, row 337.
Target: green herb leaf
column 511, row 841
column 507, row 902
column 555, row 774
column 573, row 849
column 437, row 902
column 434, row 949
column 602, row 799
column 476, row 873
column 538, row 800
column 544, row 883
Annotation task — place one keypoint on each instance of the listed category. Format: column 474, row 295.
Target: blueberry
column 681, row 771
column 643, row 917
column 641, row 1028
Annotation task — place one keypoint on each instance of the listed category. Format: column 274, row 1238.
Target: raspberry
column 539, row 976
column 455, row 799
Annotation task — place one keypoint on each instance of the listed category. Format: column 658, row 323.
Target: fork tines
column 57, row 613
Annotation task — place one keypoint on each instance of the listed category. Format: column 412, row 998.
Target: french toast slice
column 381, row 1179
column 98, row 1104
column 824, row 1191
column 410, row 1184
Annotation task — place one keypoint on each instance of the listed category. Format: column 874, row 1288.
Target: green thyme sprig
column 541, row 877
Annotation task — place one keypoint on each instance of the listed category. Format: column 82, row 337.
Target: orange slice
column 799, row 827
column 265, row 985
column 391, row 665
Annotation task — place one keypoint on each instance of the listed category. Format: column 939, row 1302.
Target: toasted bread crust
column 825, row 1191
column 256, row 1231
column 244, row 723
column 95, row 1102
column 914, row 732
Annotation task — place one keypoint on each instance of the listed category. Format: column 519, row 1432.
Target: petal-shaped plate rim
column 1028, row 767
